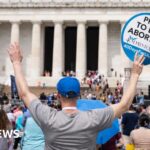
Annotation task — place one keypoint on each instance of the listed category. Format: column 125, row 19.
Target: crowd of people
column 100, row 89
column 133, row 123
column 54, row 121
column 18, row 118
column 68, row 73
column 94, row 79
column 46, row 73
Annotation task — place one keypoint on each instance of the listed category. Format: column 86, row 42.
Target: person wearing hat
column 71, row 129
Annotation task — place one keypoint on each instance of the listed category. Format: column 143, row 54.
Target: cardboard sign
column 136, row 37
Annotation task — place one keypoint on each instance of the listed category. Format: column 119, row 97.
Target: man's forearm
column 16, row 59
column 20, row 80
column 127, row 98
column 129, row 94
column 22, row 86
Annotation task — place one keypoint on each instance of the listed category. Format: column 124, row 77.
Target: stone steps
column 48, row 84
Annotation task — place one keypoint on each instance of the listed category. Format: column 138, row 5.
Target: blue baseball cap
column 68, row 87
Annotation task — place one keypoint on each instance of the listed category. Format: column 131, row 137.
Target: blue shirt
column 25, row 116
column 19, row 123
column 33, row 136
column 129, row 121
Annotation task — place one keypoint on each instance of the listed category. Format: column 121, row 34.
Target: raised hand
column 15, row 53
column 137, row 65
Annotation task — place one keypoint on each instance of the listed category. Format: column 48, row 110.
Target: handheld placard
column 136, row 37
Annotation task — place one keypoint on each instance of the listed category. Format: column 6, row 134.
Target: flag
column 14, row 91
column 104, row 135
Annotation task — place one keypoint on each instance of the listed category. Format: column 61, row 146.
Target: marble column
column 125, row 62
column 102, row 50
column 34, row 60
column 81, row 50
column 58, row 50
column 14, row 38
column 15, row 32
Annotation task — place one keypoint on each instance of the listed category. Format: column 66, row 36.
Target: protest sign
column 136, row 37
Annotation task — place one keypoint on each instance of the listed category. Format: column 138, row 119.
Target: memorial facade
column 41, row 26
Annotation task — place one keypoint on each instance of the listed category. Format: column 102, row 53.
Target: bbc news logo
column 10, row 134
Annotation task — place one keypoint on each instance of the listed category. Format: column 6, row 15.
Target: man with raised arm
column 71, row 129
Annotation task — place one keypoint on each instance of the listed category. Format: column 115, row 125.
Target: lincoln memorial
column 62, row 35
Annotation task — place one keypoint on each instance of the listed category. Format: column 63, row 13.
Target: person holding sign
column 71, row 128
